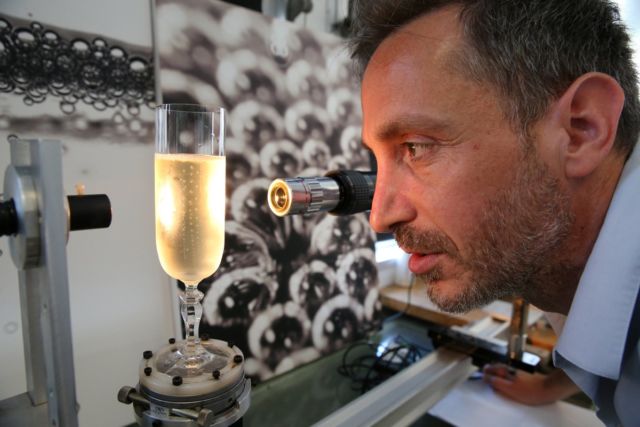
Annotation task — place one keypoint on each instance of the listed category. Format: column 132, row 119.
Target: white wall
column 630, row 11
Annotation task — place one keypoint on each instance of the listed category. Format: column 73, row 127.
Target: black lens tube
column 356, row 191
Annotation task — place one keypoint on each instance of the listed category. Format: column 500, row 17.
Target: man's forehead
column 434, row 35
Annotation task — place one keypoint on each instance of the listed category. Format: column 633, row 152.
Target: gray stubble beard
column 515, row 249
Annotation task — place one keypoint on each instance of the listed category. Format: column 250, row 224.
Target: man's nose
column 390, row 205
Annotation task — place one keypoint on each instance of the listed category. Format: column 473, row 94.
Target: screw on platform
column 172, row 340
column 237, row 358
column 216, row 374
column 205, row 417
column 147, row 354
column 147, row 371
column 177, row 380
column 128, row 394
column 124, row 395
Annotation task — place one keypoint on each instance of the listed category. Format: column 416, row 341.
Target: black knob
column 8, row 218
column 90, row 211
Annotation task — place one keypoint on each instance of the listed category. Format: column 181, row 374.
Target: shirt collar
column 595, row 331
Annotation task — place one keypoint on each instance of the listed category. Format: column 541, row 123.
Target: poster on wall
column 67, row 84
column 289, row 290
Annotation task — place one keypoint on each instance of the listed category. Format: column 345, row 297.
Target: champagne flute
column 190, row 215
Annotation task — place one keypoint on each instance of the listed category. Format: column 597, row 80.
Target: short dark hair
column 529, row 51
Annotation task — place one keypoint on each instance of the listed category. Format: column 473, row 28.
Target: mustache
column 411, row 239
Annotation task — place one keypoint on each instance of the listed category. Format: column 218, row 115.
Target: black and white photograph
column 290, row 289
column 70, row 84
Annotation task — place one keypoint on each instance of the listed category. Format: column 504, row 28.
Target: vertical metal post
column 32, row 337
column 34, row 181
column 26, row 256
column 518, row 329
column 55, row 317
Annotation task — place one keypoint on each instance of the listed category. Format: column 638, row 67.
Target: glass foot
column 191, row 360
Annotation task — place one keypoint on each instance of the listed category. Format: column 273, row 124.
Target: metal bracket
column 34, row 182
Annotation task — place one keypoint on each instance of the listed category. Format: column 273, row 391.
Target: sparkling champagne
column 190, row 209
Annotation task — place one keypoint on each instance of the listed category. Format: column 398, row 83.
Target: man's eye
column 416, row 150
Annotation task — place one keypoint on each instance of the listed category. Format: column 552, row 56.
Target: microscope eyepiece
column 338, row 192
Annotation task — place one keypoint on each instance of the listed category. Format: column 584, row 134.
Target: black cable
column 369, row 370
column 407, row 305
column 376, row 326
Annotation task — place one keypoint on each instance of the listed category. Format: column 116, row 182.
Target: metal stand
column 33, row 182
column 518, row 328
column 217, row 398
column 406, row 396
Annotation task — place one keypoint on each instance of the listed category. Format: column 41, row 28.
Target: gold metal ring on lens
column 279, row 197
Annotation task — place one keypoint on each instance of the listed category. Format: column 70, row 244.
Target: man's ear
column 589, row 111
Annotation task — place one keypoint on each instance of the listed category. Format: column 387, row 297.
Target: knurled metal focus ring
column 315, row 192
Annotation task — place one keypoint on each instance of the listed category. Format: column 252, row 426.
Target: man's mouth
column 422, row 263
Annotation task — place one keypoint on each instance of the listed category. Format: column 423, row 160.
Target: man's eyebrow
column 410, row 123
column 398, row 126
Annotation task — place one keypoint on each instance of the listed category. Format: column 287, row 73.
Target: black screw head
column 148, row 354
column 237, row 358
column 204, row 337
column 230, row 344
column 177, row 380
column 172, row 340
column 147, row 371
column 216, row 374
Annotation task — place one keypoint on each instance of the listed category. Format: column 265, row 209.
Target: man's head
column 529, row 51
column 493, row 124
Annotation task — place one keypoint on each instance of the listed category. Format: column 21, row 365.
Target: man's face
column 475, row 205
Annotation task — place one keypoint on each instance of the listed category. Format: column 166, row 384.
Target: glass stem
column 191, row 311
